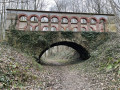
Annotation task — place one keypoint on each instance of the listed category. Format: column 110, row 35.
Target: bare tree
column 41, row 5
column 76, row 5
column 18, row 4
column 116, row 10
column 98, row 6
column 2, row 31
column 60, row 5
column 86, row 6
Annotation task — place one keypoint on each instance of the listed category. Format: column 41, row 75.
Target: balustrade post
column 88, row 26
column 39, row 25
column 28, row 25
column 59, row 25
column 97, row 27
column 79, row 26
column 69, row 25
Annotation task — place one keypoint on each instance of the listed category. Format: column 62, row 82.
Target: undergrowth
column 106, row 57
column 11, row 75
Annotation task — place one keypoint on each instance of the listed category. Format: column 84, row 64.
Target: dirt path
column 79, row 76
column 73, row 80
column 62, row 78
column 66, row 78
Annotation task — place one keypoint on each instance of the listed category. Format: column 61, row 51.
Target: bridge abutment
column 36, row 43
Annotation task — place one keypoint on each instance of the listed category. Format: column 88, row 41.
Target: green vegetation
column 15, row 68
column 29, row 42
column 108, row 56
column 68, row 35
column 12, row 75
column 105, row 56
column 96, row 39
column 32, row 42
column 90, row 35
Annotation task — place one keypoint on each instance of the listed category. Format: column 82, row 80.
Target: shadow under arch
column 84, row 54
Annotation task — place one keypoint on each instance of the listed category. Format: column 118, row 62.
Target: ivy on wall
column 33, row 42
column 90, row 35
column 68, row 34
column 95, row 38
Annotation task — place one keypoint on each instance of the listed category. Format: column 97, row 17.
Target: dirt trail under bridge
column 65, row 79
column 81, row 76
column 72, row 78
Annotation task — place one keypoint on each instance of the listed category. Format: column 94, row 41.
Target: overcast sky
column 51, row 2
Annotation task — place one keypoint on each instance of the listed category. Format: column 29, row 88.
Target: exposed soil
column 71, row 78
column 81, row 76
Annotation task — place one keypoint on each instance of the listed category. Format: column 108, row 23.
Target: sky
column 51, row 2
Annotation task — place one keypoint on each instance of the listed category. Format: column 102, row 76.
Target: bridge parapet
column 60, row 21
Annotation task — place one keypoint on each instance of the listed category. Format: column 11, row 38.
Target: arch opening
column 93, row 21
column 83, row 21
column 34, row 19
column 83, row 53
column 44, row 20
column 74, row 21
column 83, row 29
column 36, row 28
column 23, row 18
column 64, row 20
column 53, row 28
column 45, row 28
column 75, row 29
column 54, row 20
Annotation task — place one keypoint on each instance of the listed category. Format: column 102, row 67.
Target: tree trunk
column 116, row 17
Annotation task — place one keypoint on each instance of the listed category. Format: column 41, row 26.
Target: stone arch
column 85, row 18
column 92, row 28
column 44, row 16
column 75, row 27
column 96, row 24
column 18, row 21
column 74, row 17
column 34, row 15
column 94, row 19
column 84, row 28
column 103, row 19
column 65, row 17
column 55, row 27
column 44, row 26
column 84, row 54
column 54, row 16
column 20, row 15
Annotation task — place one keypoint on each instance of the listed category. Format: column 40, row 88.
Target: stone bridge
column 80, row 31
column 71, row 39
column 82, row 42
